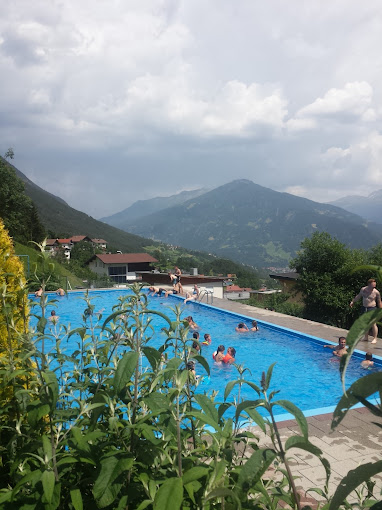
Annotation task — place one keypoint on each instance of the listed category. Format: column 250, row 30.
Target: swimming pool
column 305, row 372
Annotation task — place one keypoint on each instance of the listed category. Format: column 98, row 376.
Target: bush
column 95, row 429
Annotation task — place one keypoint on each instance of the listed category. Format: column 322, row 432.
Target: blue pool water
column 305, row 373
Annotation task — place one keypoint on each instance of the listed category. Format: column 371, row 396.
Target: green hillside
column 57, row 216
column 252, row 224
column 28, row 254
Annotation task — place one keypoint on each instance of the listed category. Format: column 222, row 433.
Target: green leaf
column 194, row 474
column 202, row 360
column 80, row 331
column 76, row 497
column 269, row 375
column 169, row 495
column 204, row 419
column 157, row 402
column 248, row 403
column 229, row 387
column 224, row 493
column 52, row 384
column 36, row 410
column 257, row 418
column 297, row 413
column 105, row 490
column 155, row 312
column 303, row 444
column 207, row 406
column 352, row 480
column 48, row 482
column 153, row 356
column 255, row 467
column 356, row 332
column 41, row 325
column 125, row 370
column 47, row 447
column 364, row 387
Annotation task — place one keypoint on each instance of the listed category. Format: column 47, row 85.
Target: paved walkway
column 356, row 440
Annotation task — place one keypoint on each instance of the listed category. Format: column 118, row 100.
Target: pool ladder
column 207, row 292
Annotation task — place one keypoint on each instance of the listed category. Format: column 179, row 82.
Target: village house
column 121, row 267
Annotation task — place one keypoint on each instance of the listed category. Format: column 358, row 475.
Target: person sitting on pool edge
column 340, row 349
column 194, row 296
column 230, row 356
column 218, row 355
column 368, row 361
column 242, row 328
column 254, row 327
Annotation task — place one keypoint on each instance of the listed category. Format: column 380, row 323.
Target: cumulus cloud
column 191, row 94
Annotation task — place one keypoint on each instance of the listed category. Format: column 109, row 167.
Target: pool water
column 306, row 373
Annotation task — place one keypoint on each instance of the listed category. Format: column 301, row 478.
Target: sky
column 109, row 102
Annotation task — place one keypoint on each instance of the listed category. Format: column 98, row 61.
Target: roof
column 77, row 239
column 64, row 241
column 292, row 275
column 236, row 288
column 124, row 258
column 50, row 242
column 99, row 241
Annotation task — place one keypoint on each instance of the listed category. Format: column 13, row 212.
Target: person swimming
column 368, row 361
column 230, row 356
column 254, row 326
column 191, row 322
column 218, row 355
column 242, row 328
column 207, row 339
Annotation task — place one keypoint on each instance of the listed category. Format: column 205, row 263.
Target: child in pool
column 230, row 356
column 218, row 355
column 242, row 328
column 254, row 327
column 207, row 339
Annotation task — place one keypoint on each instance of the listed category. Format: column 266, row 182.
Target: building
column 101, row 244
column 236, row 292
column 288, row 285
column 121, row 267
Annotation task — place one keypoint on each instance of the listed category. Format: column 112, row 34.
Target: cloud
column 99, row 94
column 353, row 101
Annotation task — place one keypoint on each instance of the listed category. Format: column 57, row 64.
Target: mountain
column 58, row 216
column 144, row 207
column 369, row 207
column 252, row 224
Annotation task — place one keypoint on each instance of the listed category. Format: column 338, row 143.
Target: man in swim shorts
column 371, row 299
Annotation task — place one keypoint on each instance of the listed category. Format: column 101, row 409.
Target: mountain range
column 369, row 207
column 151, row 206
column 249, row 223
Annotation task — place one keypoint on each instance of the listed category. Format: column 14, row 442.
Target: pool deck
column 355, row 441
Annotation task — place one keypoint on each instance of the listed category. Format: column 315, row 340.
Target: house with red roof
column 121, row 267
column 236, row 292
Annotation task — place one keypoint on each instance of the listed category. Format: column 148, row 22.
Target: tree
column 327, row 278
column 10, row 154
column 17, row 210
column 13, row 298
column 82, row 252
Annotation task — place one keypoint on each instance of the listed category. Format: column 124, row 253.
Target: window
column 118, row 273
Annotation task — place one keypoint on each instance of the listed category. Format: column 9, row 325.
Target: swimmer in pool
column 207, row 339
column 230, row 356
column 254, row 326
column 242, row 328
column 368, row 361
column 340, row 349
column 218, row 355
column 191, row 322
column 53, row 317
column 196, row 346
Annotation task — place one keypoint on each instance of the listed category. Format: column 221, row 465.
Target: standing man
column 371, row 298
